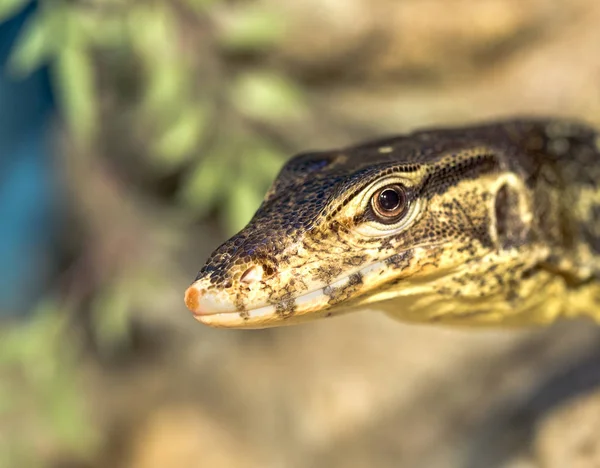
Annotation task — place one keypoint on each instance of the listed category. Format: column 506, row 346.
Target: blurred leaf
column 267, row 96
column 166, row 89
column 33, row 46
column 8, row 8
column 180, row 138
column 251, row 28
column 21, row 342
column 242, row 202
column 154, row 34
column 75, row 80
column 111, row 317
column 203, row 186
column 202, row 6
column 38, row 373
column 240, row 185
column 153, row 31
column 104, row 30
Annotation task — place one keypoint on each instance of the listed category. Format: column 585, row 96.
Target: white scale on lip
column 312, row 300
column 262, row 311
column 318, row 298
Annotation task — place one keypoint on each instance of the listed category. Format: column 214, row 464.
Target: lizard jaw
column 217, row 310
column 260, row 317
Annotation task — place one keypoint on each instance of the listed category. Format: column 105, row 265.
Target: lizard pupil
column 389, row 202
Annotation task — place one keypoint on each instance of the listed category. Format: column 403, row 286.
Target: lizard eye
column 389, row 203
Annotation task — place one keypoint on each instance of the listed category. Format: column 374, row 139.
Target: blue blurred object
column 28, row 185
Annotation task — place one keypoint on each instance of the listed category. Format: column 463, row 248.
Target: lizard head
column 430, row 227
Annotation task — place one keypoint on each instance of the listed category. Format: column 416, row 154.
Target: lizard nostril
column 268, row 270
column 252, row 274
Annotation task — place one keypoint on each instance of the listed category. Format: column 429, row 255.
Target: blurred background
column 136, row 136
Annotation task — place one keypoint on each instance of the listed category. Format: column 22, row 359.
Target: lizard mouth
column 217, row 310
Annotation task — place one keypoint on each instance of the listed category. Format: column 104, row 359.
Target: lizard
column 494, row 224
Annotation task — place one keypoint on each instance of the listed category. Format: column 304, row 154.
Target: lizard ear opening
column 510, row 218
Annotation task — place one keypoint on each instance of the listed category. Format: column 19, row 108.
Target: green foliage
column 235, row 176
column 251, row 28
column 201, row 189
column 33, row 47
column 179, row 88
column 9, row 8
column 267, row 96
column 110, row 316
column 181, row 137
column 194, row 114
column 75, row 83
column 40, row 400
column 57, row 35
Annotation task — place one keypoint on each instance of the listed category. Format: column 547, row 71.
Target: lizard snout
column 233, row 292
column 201, row 303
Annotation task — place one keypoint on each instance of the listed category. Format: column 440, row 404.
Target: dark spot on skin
column 512, row 293
column 206, row 270
column 401, row 260
column 499, row 279
column 239, row 304
column 462, row 280
column 354, row 279
column 356, row 260
column 469, row 248
column 344, row 292
column 360, row 218
column 327, row 274
column 286, row 307
column 529, row 272
column 386, row 244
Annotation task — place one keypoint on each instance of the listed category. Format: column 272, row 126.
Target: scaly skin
column 498, row 224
